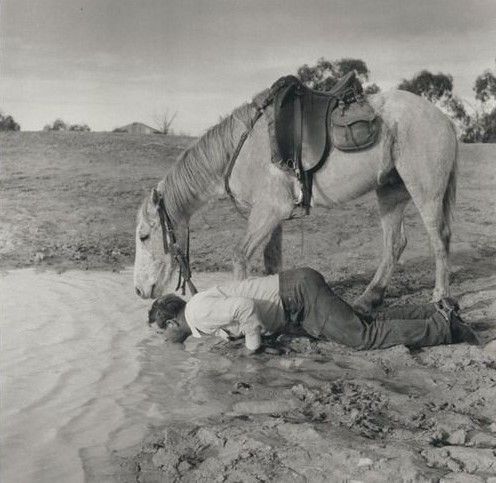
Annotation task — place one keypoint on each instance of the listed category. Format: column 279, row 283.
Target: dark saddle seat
column 301, row 119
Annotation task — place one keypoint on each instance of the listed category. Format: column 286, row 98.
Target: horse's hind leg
column 392, row 202
column 434, row 196
column 273, row 252
column 439, row 231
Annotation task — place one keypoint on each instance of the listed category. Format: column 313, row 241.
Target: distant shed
column 137, row 128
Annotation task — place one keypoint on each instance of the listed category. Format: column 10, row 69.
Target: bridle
column 168, row 228
column 173, row 248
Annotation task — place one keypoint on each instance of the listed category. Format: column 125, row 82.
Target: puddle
column 82, row 373
column 84, row 380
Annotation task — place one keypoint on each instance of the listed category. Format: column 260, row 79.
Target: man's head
column 168, row 313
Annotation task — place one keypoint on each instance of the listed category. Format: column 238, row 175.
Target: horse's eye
column 143, row 238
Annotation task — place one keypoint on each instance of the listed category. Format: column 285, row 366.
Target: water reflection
column 83, row 375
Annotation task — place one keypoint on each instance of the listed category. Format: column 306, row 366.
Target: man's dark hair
column 165, row 308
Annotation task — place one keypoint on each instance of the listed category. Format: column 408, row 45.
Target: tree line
column 479, row 126
column 7, row 123
column 60, row 125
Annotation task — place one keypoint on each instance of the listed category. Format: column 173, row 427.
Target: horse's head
column 154, row 265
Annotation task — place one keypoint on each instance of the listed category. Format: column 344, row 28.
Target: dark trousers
column 311, row 303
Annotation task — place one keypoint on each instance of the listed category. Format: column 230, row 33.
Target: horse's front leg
column 263, row 226
column 273, row 252
column 392, row 202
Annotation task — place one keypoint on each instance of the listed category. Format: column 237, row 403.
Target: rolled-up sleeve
column 243, row 311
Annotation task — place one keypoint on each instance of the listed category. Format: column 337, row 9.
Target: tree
column 453, row 107
column 483, row 127
column 485, row 87
column 7, row 123
column 80, row 128
column 431, row 86
column 344, row 66
column 488, row 124
column 60, row 125
column 57, row 125
column 164, row 121
column 438, row 88
column 371, row 89
column 324, row 74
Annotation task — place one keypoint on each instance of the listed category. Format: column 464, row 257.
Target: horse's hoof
column 438, row 295
column 365, row 304
column 362, row 307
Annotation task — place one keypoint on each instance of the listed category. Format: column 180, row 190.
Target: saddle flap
column 297, row 107
column 284, row 117
column 315, row 110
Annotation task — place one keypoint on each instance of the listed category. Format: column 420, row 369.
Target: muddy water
column 84, row 380
column 84, row 376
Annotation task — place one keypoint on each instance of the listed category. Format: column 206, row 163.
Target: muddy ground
column 333, row 414
column 340, row 416
column 336, row 415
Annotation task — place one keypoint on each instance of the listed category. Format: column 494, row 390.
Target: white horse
column 415, row 159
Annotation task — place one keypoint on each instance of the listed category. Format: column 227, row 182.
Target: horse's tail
column 449, row 200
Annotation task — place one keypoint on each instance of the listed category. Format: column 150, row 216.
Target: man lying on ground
column 301, row 298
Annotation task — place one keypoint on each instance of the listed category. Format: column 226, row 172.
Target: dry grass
column 70, row 198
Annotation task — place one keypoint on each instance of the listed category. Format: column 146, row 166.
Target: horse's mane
column 204, row 163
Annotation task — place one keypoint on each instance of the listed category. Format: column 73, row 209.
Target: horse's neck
column 189, row 192
column 188, row 201
column 200, row 175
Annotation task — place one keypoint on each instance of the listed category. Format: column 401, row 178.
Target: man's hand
column 253, row 339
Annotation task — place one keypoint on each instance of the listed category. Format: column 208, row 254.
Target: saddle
column 301, row 130
column 301, row 118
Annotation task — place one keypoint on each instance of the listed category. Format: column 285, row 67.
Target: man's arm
column 242, row 310
column 253, row 339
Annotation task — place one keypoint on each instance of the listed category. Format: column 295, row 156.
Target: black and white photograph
column 247, row 241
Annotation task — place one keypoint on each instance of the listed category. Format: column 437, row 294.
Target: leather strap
column 297, row 135
column 174, row 248
column 235, row 155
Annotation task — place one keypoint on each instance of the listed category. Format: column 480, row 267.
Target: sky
column 107, row 63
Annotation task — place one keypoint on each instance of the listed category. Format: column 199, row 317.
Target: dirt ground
column 68, row 201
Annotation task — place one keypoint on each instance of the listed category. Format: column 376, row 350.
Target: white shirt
column 250, row 307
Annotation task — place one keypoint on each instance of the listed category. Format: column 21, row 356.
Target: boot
column 460, row 331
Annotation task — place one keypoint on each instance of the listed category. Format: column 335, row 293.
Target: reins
column 174, row 248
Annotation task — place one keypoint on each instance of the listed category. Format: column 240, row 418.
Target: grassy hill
column 70, row 198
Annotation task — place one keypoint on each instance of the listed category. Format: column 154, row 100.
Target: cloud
column 122, row 57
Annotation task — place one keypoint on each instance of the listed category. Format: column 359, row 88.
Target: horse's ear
column 155, row 196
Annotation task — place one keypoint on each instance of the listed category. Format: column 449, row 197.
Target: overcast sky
column 110, row 62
